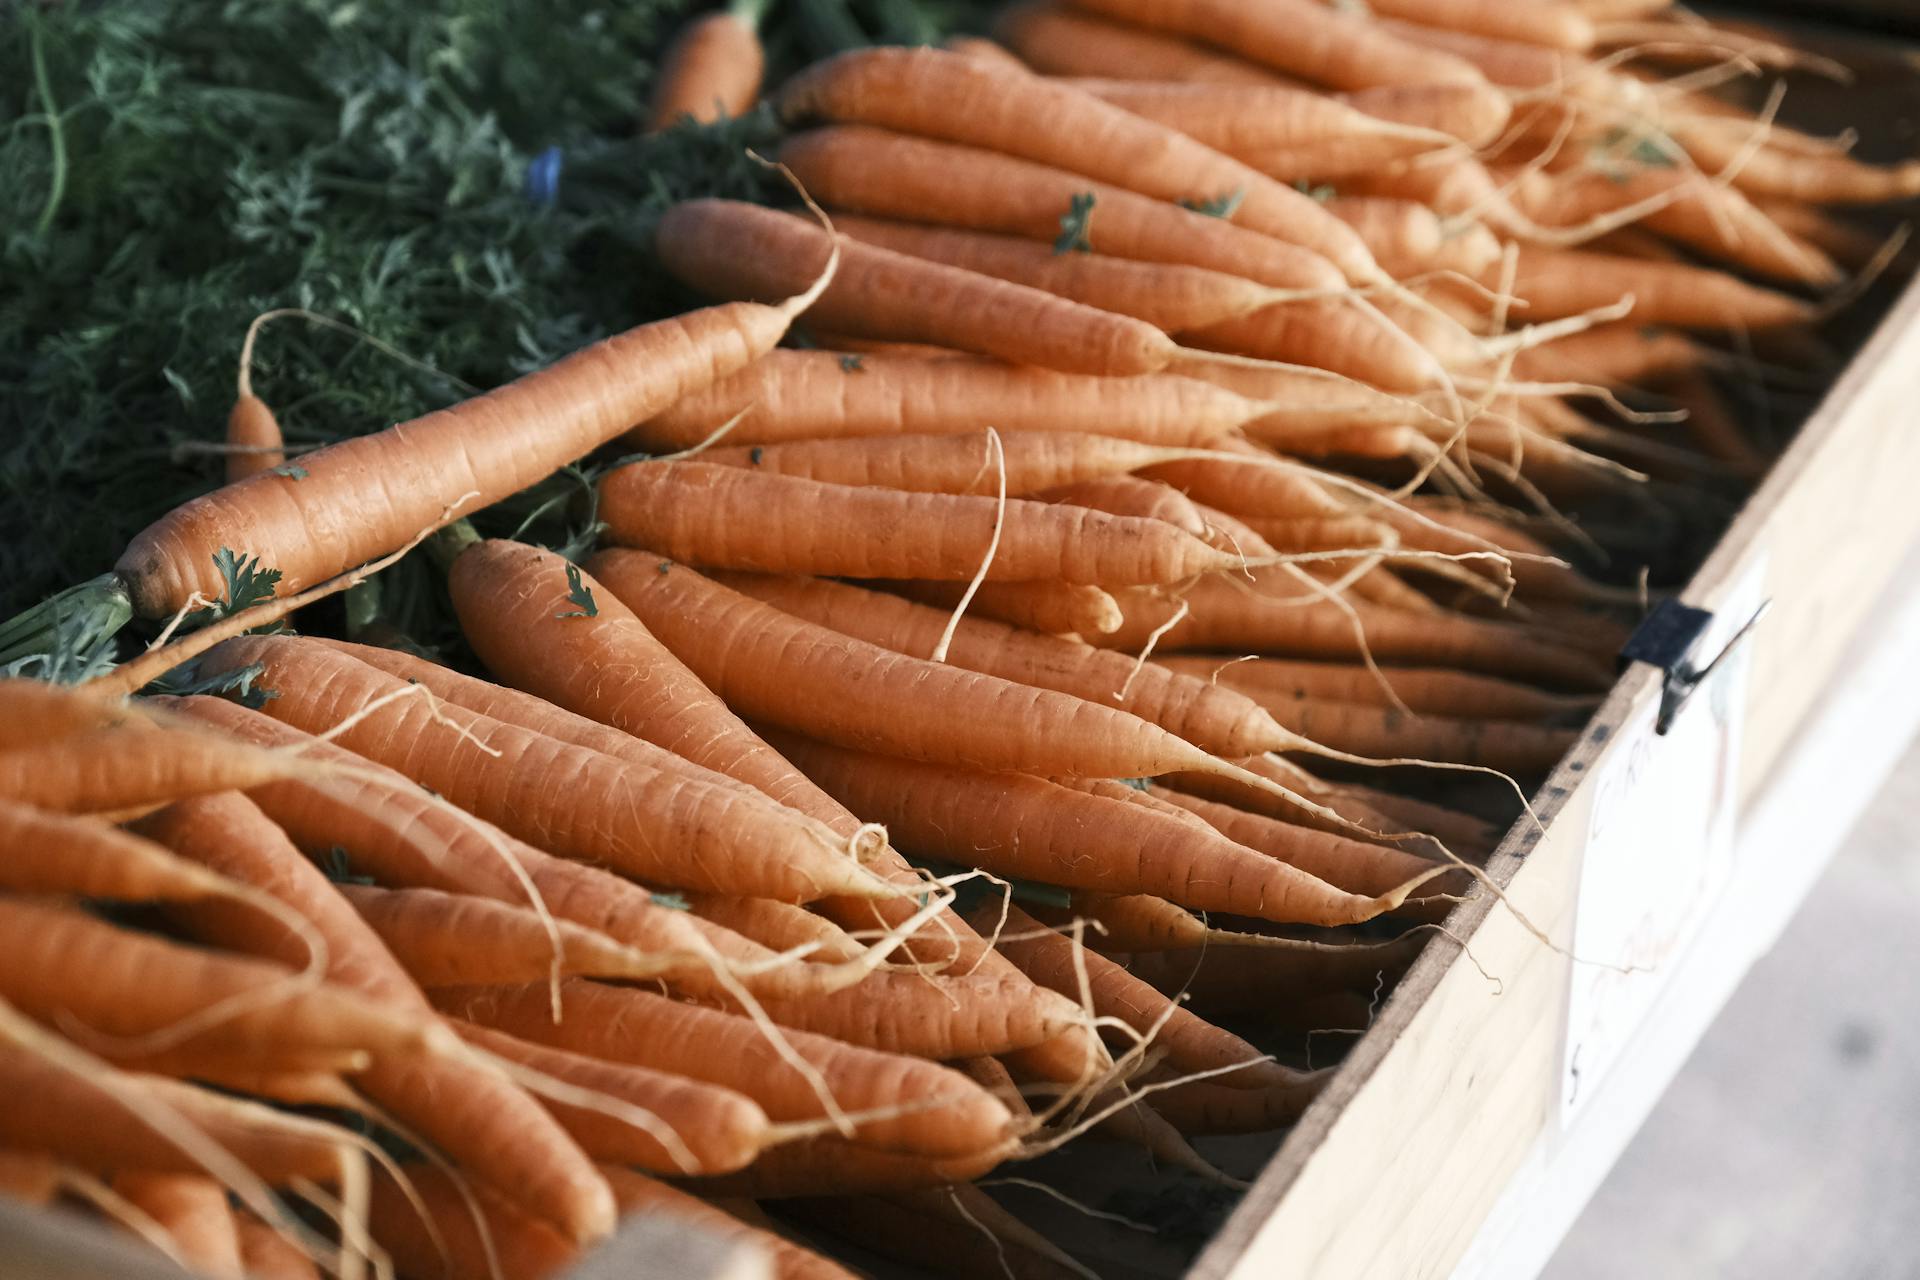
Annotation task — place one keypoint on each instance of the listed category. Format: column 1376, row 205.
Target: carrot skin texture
column 265, row 1254
column 525, row 1247
column 640, row 1194
column 252, row 426
column 710, row 71
column 636, row 1027
column 105, row 770
column 192, row 1210
column 364, row 497
column 835, row 1166
column 1060, row 40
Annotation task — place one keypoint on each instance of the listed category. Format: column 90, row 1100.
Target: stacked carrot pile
column 1195, row 395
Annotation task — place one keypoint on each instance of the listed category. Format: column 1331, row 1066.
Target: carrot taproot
column 695, row 834
column 1219, row 616
column 436, row 467
column 1459, row 188
column 1465, row 112
column 90, row 1123
column 1351, row 865
column 1353, row 817
column 1313, row 41
column 34, row 712
column 1520, row 65
column 58, row 960
column 1059, row 963
column 1408, row 239
column 1250, row 120
column 711, row 69
column 731, row 249
column 949, row 1115
column 933, row 93
column 192, row 1210
column 1059, row 40
column 1337, row 335
column 1018, row 825
column 1172, row 297
column 638, row 1193
column 1050, row 608
column 1125, row 495
column 253, row 438
column 891, row 175
column 1128, row 922
column 1545, row 22
column 1388, row 731
column 1621, row 354
column 474, row 1114
column 116, row 769
column 720, row 1130
column 1552, row 283
column 1275, row 982
column 265, row 1254
column 952, row 1231
column 731, row 518
column 981, row 47
column 1276, row 681
column 1205, row 1106
column 51, row 853
column 835, row 1166
column 1202, row 713
column 1033, row 460
column 778, row 925
column 468, row 1230
column 795, row 396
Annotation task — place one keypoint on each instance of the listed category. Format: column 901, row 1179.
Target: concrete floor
column 1789, row 1146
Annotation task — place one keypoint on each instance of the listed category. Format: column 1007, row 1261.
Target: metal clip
column 1666, row 639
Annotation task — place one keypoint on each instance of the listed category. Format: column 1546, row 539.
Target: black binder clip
column 1666, row 638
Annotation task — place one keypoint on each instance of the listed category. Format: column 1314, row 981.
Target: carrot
column 1129, row 922
column 1222, row 617
column 719, row 1130
column 1545, row 22
column 1170, row 296
column 113, row 770
column 1282, row 984
column 58, row 854
column 91, row 1124
column 1275, row 682
column 808, row 395
column 253, row 436
column 1333, row 335
column 731, row 518
column 1313, row 41
column 1407, row 238
column 444, row 939
column 1058, row 963
column 640, row 1194
column 952, row 1231
column 1018, row 825
column 1209, row 716
column 711, row 69
column 1620, row 354
column 474, row 1113
column 730, row 249
column 948, row 464
column 1124, row 495
column 835, row 1166
column 980, row 47
column 891, row 175
column 265, row 1254
column 1203, row 1106
column 932, row 93
column 58, row 961
column 1565, row 282
column 1348, row 864
column 1387, row 731
column 468, row 1231
column 1059, row 40
column 955, row 1118
column 1466, row 112
column 436, row 466
column 192, row 1210
column 33, row 712
column 576, row 801
column 1250, row 120
column 1051, row 608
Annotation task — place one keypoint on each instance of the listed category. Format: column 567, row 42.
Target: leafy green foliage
column 1075, row 224
column 580, row 595
column 1219, row 207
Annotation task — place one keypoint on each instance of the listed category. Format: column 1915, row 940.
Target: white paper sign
column 1659, row 850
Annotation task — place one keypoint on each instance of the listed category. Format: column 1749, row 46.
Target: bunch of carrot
column 1195, row 393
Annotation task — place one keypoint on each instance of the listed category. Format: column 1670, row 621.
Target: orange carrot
column 948, row 464
column 253, row 433
column 834, row 1166
column 696, row 834
column 731, row 518
column 933, row 93
column 1123, row 495
column 1313, row 41
column 1274, row 682
column 110, row 770
column 719, row 1129
column 1290, row 985
column 1170, row 296
column 468, row 1231
column 1251, row 120
column 1059, row 40
column 1544, row 22
column 192, row 1210
column 809, row 395
column 265, row 1254
column 1333, row 335
column 1552, row 283
column 1409, row 239
column 778, row 925
column 891, row 175
column 33, row 712
column 711, row 69
column 1018, row 825
column 1203, row 1106
column 628, row 1026
column 1466, row 112
column 1050, row 608
column 58, row 854
column 436, row 467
